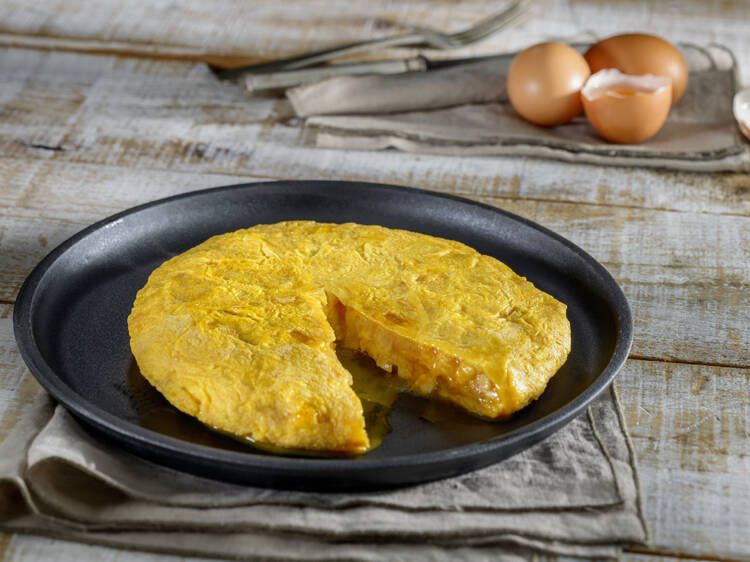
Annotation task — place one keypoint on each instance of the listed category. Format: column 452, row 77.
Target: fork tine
column 481, row 34
column 490, row 24
column 506, row 22
column 434, row 39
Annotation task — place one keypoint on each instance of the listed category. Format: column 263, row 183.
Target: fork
column 432, row 39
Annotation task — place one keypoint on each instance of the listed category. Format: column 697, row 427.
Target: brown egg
column 626, row 109
column 544, row 83
column 638, row 53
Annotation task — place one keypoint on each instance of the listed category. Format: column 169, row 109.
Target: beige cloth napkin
column 464, row 110
column 576, row 493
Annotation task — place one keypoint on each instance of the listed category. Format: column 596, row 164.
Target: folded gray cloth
column 576, row 493
column 464, row 110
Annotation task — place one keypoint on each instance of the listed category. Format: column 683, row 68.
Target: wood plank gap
column 6, row 301
column 132, row 50
column 607, row 205
column 689, row 362
column 248, row 175
column 683, row 555
column 678, row 266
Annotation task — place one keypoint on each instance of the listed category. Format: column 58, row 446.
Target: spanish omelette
column 240, row 331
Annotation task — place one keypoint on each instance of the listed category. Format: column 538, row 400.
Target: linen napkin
column 575, row 493
column 464, row 110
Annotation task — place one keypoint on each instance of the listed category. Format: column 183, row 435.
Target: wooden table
column 104, row 105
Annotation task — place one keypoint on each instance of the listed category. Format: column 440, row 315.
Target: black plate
column 70, row 325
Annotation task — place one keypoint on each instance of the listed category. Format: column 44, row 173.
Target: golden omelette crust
column 239, row 331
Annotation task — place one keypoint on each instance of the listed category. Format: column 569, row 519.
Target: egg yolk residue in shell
column 626, row 109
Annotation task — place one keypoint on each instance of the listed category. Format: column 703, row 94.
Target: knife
column 289, row 78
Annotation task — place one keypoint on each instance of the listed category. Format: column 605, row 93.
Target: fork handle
column 309, row 59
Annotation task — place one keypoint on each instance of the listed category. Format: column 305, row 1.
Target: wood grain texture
column 679, row 269
column 689, row 425
column 17, row 386
column 682, row 291
column 154, row 114
column 168, row 115
column 266, row 29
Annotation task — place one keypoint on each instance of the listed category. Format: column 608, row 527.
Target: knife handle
column 289, row 78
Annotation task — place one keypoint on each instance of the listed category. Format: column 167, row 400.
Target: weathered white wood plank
column 692, row 512
column 49, row 202
column 686, row 274
column 528, row 178
column 86, row 193
column 156, row 114
column 681, row 288
column 17, row 386
column 271, row 29
column 689, row 425
column 685, row 312
column 23, row 244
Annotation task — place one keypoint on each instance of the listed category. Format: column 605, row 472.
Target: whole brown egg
column 544, row 83
column 637, row 54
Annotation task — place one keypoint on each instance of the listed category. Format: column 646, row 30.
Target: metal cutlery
column 431, row 39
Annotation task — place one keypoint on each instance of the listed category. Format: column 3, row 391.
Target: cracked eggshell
column 626, row 109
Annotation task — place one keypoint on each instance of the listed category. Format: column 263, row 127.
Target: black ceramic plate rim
column 90, row 412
